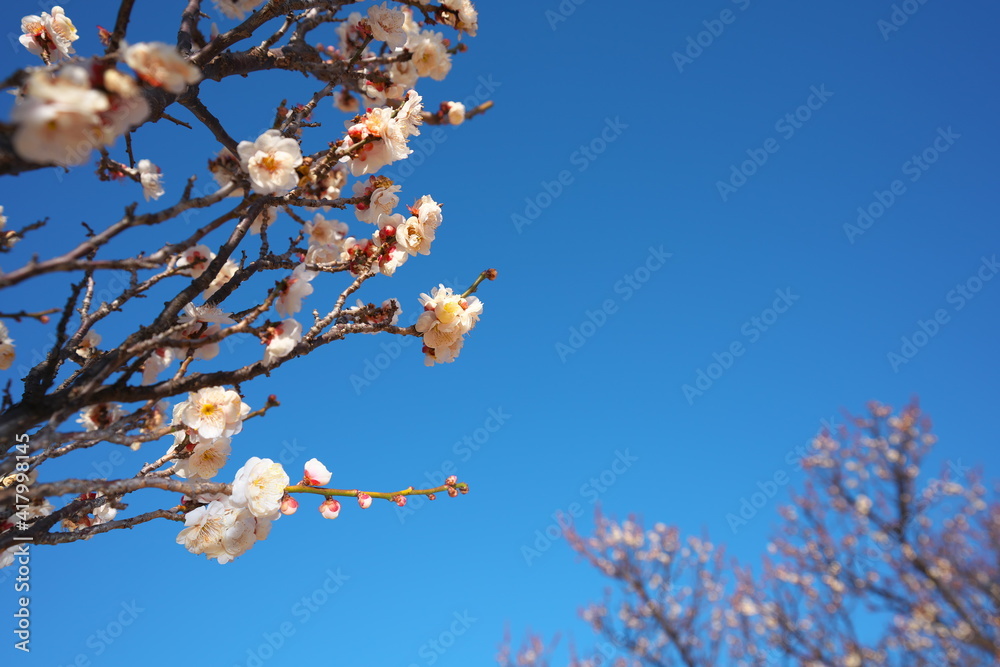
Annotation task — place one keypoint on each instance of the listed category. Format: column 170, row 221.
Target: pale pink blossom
column 296, row 288
column 284, row 336
column 50, row 36
column 237, row 9
column 271, row 161
column 151, row 179
column 259, row 486
column 315, row 473
column 161, row 65
column 212, row 412
column 206, row 459
column 387, row 25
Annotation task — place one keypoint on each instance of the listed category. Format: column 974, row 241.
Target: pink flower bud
column 289, row 504
column 400, row 500
column 452, row 491
column 364, row 500
column 330, row 508
column 316, row 473
column 451, row 481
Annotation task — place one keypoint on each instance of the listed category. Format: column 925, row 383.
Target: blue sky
column 626, row 272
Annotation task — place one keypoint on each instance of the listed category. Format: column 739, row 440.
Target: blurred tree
column 869, row 567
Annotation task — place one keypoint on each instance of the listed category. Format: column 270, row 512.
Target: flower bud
column 400, row 500
column 288, row 504
column 330, row 508
column 451, row 481
column 364, row 500
column 452, row 492
column 316, row 473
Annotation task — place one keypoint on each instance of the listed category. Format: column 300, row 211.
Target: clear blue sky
column 621, row 145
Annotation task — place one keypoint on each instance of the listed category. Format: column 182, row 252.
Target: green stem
column 353, row 493
column 488, row 274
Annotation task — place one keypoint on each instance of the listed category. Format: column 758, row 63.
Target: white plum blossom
column 388, row 130
column 101, row 415
column 271, row 161
column 382, row 199
column 463, row 16
column 344, row 101
column 151, row 179
column 212, row 412
column 427, row 211
column 129, row 106
column 456, row 113
column 222, row 168
column 315, row 473
column 194, row 260
column 387, row 25
column 410, row 115
column 265, row 218
column 156, row 363
column 88, row 344
column 404, row 73
column 259, row 486
column 430, row 55
column 162, row 66
column 58, row 117
column 224, row 275
column 50, row 36
column 6, row 348
column 327, row 241
column 237, row 9
column 447, row 317
column 414, row 238
column 207, row 456
column 103, row 513
column 61, row 118
column 297, row 286
column 222, row 531
column 284, row 336
column 350, row 34
column 202, row 322
column 417, row 232
column 325, row 232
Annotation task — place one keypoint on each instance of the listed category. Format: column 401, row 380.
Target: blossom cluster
column 228, row 526
column 225, row 526
column 379, row 137
column 62, row 115
column 447, row 317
